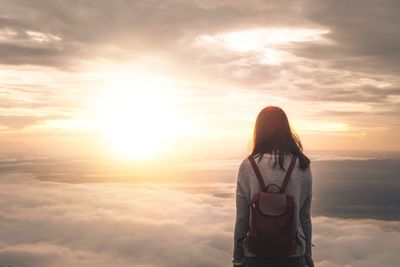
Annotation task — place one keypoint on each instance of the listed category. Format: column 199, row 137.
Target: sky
column 100, row 101
column 186, row 79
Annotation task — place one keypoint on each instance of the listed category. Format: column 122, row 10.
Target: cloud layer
column 355, row 185
column 60, row 224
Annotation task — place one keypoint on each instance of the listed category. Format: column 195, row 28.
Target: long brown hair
column 273, row 135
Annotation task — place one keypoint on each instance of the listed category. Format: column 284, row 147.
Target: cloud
column 146, row 227
column 346, row 242
column 55, row 33
column 142, row 26
column 114, row 224
column 19, row 122
column 335, row 174
column 363, row 34
column 297, row 54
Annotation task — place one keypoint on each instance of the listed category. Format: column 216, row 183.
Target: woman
column 274, row 145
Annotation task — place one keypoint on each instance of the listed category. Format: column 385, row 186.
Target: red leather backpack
column 273, row 228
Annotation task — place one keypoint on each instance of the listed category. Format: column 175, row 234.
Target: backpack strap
column 260, row 178
column 257, row 172
column 288, row 173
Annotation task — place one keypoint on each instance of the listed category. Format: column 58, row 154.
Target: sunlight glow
column 265, row 41
column 137, row 115
column 257, row 39
column 322, row 126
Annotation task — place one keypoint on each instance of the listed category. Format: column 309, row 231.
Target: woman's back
column 299, row 188
column 275, row 142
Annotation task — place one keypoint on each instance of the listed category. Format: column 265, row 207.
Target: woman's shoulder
column 244, row 163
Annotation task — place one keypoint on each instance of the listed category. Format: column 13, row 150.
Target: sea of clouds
column 47, row 223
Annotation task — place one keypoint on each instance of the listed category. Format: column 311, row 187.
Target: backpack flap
column 273, row 204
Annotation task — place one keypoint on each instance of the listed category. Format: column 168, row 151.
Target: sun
column 137, row 115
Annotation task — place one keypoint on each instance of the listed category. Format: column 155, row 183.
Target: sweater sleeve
column 242, row 213
column 305, row 215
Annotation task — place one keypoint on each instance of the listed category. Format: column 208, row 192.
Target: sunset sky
column 140, row 79
column 123, row 124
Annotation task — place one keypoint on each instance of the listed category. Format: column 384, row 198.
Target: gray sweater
column 300, row 187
